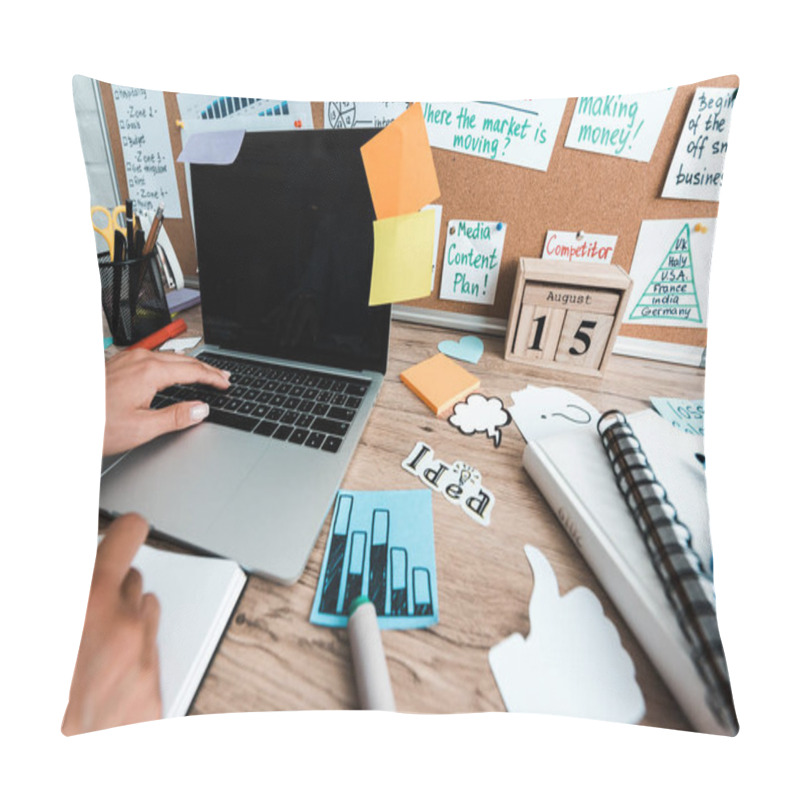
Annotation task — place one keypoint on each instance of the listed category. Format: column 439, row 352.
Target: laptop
column 284, row 248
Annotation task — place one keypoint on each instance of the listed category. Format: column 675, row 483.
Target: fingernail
column 198, row 412
column 226, row 374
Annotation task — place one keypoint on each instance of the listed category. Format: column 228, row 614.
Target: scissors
column 111, row 227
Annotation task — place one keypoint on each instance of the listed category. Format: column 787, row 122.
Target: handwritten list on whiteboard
column 146, row 150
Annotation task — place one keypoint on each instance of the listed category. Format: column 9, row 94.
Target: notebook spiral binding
column 687, row 584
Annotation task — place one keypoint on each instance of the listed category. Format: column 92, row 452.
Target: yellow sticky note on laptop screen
column 399, row 165
column 439, row 382
column 401, row 260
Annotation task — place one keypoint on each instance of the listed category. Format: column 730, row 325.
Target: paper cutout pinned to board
column 401, row 259
column 399, row 166
column 467, row 348
column 543, row 412
column 572, row 662
column 479, row 414
column 460, row 483
column 380, row 545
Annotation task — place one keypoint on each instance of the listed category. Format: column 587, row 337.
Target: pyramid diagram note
column 671, row 293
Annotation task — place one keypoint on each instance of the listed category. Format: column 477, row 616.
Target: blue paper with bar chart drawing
column 380, row 545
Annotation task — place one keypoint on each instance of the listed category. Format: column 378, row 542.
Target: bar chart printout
column 380, row 545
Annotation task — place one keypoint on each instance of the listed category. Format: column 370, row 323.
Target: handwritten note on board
column 622, row 125
column 521, row 132
column 670, row 272
column 471, row 262
column 579, row 246
column 146, row 150
column 697, row 166
column 359, row 114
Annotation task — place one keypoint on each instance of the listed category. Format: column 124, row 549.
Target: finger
column 131, row 589
column 175, row 368
column 151, row 615
column 122, row 540
column 172, row 418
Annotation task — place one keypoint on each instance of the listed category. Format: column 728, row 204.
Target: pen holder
column 134, row 300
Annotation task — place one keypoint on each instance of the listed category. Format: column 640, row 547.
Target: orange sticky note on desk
column 399, row 166
column 401, row 260
column 439, row 382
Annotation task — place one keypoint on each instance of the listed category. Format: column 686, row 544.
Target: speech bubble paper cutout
column 479, row 414
column 572, row 662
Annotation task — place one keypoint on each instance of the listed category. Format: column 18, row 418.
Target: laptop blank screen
column 284, row 249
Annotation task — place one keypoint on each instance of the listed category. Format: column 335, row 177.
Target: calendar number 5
column 583, row 337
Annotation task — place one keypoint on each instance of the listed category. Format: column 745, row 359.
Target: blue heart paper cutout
column 468, row 348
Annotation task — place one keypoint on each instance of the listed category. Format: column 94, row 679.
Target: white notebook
column 574, row 474
column 197, row 595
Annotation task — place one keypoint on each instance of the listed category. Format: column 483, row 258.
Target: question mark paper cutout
column 480, row 414
column 543, row 412
column 572, row 663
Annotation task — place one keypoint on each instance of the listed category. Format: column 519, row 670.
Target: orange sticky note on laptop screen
column 399, row 166
column 439, row 382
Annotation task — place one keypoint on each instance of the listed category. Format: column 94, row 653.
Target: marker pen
column 369, row 662
column 160, row 336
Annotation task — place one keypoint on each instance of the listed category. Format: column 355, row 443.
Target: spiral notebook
column 574, row 473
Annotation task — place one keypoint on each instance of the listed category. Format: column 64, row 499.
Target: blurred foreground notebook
column 197, row 595
column 574, row 474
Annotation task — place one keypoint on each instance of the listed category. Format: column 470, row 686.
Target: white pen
column 369, row 662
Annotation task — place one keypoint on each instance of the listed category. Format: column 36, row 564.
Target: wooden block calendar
column 565, row 315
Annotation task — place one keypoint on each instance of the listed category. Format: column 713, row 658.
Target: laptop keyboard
column 300, row 406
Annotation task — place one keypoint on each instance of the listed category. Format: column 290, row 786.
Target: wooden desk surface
column 273, row 658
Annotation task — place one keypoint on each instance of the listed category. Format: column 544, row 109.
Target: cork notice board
column 580, row 191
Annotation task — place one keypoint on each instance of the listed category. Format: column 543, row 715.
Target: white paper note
column 697, row 166
column 670, row 272
column 595, row 248
column 471, row 263
column 621, row 125
column 522, row 132
column 359, row 114
column 543, row 412
column 146, row 150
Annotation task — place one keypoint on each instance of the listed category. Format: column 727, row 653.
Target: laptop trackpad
column 181, row 481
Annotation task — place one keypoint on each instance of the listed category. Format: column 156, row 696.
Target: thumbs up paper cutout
column 572, row 662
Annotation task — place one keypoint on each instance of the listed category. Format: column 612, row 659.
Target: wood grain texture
column 272, row 658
